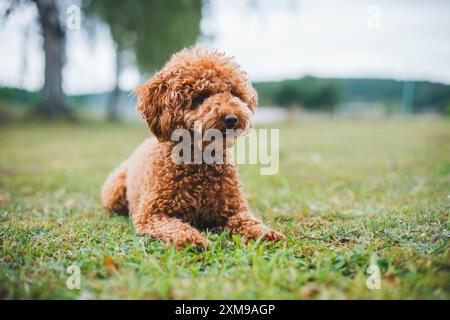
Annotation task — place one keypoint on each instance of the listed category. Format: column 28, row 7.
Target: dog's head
column 197, row 86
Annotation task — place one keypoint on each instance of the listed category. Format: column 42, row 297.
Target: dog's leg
column 114, row 191
column 248, row 226
column 169, row 229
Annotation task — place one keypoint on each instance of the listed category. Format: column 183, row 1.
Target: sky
column 273, row 40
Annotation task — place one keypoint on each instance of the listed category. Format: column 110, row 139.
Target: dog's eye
column 198, row 100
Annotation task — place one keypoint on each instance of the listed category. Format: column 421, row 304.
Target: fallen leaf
column 390, row 277
column 2, row 198
column 110, row 265
column 310, row 290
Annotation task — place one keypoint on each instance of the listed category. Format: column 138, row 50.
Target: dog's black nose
column 230, row 121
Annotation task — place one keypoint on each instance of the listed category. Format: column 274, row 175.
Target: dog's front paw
column 189, row 240
column 273, row 236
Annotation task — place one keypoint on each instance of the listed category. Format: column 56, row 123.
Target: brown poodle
column 170, row 201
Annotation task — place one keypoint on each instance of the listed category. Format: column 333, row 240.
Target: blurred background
column 81, row 59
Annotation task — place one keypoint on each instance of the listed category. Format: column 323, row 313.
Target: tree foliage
column 308, row 92
column 152, row 30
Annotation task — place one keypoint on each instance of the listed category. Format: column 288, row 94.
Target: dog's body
column 173, row 201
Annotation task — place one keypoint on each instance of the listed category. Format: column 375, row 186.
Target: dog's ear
column 251, row 97
column 158, row 105
column 245, row 91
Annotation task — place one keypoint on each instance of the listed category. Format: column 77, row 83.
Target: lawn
column 349, row 194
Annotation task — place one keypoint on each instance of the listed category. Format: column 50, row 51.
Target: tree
column 308, row 92
column 319, row 94
column 52, row 100
column 329, row 96
column 151, row 30
column 288, row 95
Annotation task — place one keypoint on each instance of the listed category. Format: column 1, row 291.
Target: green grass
column 349, row 193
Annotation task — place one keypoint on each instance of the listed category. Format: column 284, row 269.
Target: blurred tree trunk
column 113, row 106
column 52, row 100
column 24, row 56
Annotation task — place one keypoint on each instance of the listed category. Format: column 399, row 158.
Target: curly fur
column 170, row 201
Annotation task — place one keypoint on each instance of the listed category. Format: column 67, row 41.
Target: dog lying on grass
column 173, row 201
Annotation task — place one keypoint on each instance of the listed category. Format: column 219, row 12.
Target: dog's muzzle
column 230, row 121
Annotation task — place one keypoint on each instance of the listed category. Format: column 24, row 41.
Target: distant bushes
column 324, row 94
column 18, row 96
column 16, row 102
column 308, row 92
